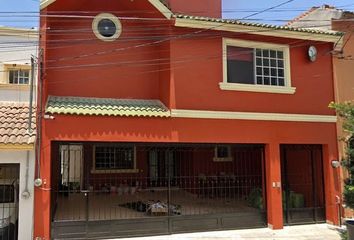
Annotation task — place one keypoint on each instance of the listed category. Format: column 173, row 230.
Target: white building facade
column 17, row 132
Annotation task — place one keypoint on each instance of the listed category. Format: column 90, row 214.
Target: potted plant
column 346, row 112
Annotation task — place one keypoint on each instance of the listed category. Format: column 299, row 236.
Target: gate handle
column 85, row 192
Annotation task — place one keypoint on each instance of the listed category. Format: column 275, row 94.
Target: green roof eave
column 106, row 107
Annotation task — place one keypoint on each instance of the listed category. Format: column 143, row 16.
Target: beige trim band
column 189, row 23
column 162, row 8
column 19, row 32
column 46, row 3
column 156, row 3
column 16, row 87
column 256, row 88
column 16, row 146
column 179, row 113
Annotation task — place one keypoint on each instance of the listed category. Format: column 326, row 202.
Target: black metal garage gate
column 9, row 200
column 118, row 190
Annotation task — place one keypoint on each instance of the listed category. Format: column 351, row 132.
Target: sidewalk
column 303, row 232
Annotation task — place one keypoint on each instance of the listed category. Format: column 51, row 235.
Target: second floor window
column 255, row 66
column 262, row 65
column 19, row 76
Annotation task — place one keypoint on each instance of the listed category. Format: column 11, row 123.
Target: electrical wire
column 188, row 34
column 181, row 63
column 250, row 15
column 100, row 53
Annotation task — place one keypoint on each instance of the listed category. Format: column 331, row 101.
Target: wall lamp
column 335, row 163
column 48, row 117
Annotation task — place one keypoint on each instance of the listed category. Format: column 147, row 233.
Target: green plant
column 255, row 198
column 346, row 112
column 344, row 235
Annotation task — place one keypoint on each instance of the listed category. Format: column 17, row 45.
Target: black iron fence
column 303, row 184
column 9, row 200
column 120, row 182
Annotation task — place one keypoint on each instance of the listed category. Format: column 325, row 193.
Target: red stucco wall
column 184, row 74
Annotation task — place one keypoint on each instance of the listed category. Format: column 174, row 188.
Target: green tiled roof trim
column 106, row 107
column 261, row 25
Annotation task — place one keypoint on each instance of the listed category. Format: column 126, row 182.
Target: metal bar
column 87, row 193
column 314, row 192
column 264, row 185
column 323, row 180
column 31, row 97
column 188, row 184
column 167, row 157
column 39, row 116
column 287, row 189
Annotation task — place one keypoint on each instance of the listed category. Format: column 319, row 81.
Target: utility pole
column 38, row 181
column 31, row 97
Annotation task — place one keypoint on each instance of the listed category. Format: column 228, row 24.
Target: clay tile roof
column 261, row 25
column 14, row 124
column 106, row 107
column 317, row 18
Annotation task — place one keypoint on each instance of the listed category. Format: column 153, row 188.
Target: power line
column 157, row 61
column 291, row 9
column 94, row 40
column 141, row 36
column 176, row 66
column 184, row 35
column 261, row 11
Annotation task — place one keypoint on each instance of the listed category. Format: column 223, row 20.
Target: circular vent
column 106, row 27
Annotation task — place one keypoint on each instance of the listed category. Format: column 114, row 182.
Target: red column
column 273, row 184
column 331, row 183
column 43, row 169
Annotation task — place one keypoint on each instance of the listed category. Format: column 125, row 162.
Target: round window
column 106, row 27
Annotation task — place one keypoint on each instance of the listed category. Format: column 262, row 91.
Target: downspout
column 38, row 181
column 26, row 194
column 337, row 99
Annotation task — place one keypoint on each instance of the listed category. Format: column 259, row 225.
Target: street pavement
column 303, row 232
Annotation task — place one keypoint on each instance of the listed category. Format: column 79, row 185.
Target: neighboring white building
column 16, row 48
column 17, row 142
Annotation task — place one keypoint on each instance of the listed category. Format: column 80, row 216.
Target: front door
column 71, row 167
column 9, row 200
column 71, row 184
column 302, row 178
column 161, row 167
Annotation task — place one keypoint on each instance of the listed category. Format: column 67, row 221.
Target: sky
column 13, row 19
column 242, row 8
column 236, row 9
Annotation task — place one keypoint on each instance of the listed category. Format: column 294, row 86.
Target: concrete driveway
column 303, row 232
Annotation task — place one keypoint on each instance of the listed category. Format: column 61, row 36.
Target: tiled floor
column 304, row 232
column 108, row 207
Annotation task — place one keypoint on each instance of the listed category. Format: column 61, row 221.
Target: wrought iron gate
column 116, row 190
column 9, row 200
column 303, row 184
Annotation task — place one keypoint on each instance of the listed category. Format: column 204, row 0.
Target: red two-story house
column 154, row 121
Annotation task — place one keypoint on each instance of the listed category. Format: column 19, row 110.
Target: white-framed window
column 223, row 153
column 19, row 76
column 256, row 66
column 108, row 158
